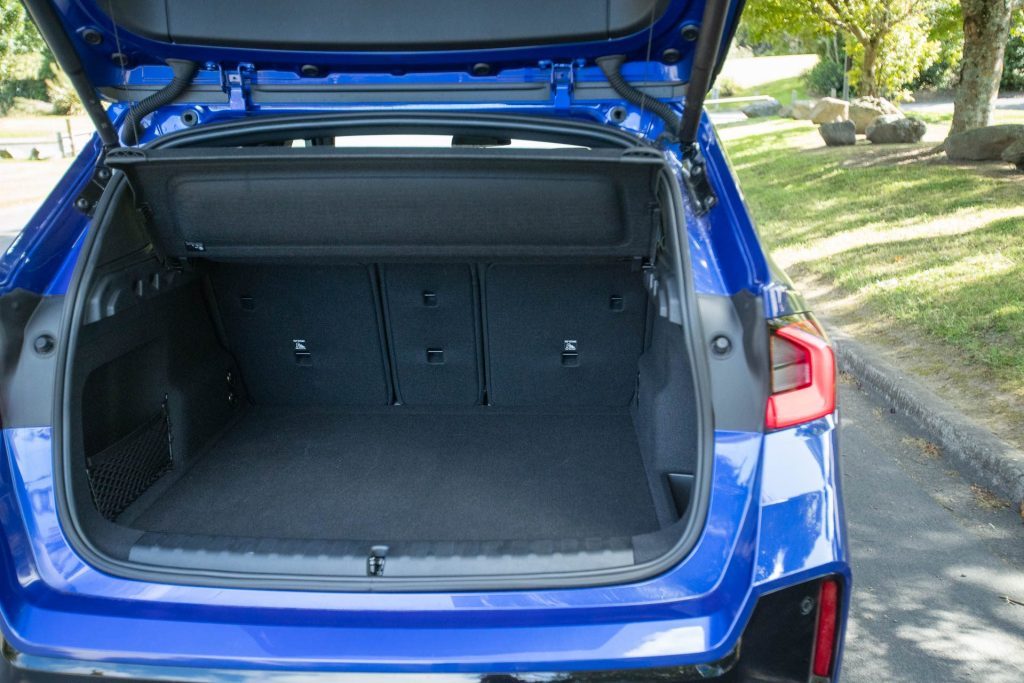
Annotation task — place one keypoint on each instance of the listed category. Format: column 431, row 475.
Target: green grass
column 782, row 90
column 42, row 128
column 902, row 246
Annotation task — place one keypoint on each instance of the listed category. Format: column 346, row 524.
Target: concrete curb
column 989, row 460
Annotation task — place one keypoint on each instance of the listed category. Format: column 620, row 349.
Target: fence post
column 71, row 136
column 60, row 144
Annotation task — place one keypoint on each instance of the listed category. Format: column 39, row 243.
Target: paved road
column 945, row 106
column 932, row 559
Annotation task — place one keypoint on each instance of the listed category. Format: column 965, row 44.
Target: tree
column 986, row 32
column 18, row 36
column 888, row 39
column 23, row 56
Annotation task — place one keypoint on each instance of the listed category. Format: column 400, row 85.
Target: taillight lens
column 825, row 634
column 803, row 375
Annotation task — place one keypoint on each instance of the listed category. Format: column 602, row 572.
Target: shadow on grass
column 802, row 195
column 965, row 291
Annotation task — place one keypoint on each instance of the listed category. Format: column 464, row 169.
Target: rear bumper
column 774, row 522
column 776, row 645
column 18, row 667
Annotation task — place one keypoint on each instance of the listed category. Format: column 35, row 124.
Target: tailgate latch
column 238, row 85
column 563, row 80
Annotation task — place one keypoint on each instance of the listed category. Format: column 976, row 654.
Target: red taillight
column 803, row 375
column 825, row 634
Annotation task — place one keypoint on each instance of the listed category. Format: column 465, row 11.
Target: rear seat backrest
column 568, row 334
column 432, row 317
column 304, row 334
column 430, row 335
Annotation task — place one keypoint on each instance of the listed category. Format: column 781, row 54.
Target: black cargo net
column 122, row 472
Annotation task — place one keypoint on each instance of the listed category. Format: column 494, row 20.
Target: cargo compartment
column 407, row 364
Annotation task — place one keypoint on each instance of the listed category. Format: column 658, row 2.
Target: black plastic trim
column 394, row 26
column 16, row 666
column 272, row 93
column 306, row 126
column 405, row 559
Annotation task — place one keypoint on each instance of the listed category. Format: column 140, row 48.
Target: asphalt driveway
column 934, row 559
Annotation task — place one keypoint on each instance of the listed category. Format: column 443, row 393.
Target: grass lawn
column 782, row 90
column 777, row 77
column 919, row 256
column 43, row 128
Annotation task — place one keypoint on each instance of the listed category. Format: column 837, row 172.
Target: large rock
column 864, row 111
column 983, row 144
column 801, row 110
column 839, row 133
column 830, row 110
column 1014, row 154
column 896, row 128
column 761, row 109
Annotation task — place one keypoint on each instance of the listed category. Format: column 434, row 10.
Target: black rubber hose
column 612, row 68
column 184, row 72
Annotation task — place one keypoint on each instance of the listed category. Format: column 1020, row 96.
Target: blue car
column 409, row 341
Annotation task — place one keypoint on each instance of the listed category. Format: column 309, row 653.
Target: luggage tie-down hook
column 375, row 562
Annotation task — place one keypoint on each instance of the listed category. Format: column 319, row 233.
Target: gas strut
column 705, row 57
column 683, row 129
column 53, row 32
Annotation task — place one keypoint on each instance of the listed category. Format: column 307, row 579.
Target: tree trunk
column 868, row 86
column 986, row 31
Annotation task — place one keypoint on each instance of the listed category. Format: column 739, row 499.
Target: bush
column 20, row 77
column 824, row 77
column 1013, row 65
column 941, row 75
column 727, row 87
column 61, row 93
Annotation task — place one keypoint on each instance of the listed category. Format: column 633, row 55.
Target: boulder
column 830, row 110
column 864, row 110
column 801, row 110
column 896, row 128
column 983, row 144
column 761, row 109
column 1014, row 154
column 839, row 133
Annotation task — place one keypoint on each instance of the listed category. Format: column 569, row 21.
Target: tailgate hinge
column 238, row 86
column 89, row 197
column 695, row 178
column 563, row 80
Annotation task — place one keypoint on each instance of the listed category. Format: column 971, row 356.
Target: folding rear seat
column 563, row 334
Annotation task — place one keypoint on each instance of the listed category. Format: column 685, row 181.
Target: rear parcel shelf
column 243, row 203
